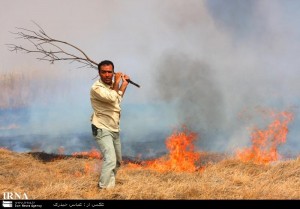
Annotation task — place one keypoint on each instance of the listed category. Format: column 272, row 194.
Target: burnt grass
column 205, row 158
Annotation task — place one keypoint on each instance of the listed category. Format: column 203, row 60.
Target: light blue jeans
column 110, row 147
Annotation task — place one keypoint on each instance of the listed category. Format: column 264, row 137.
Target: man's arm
column 124, row 84
column 118, row 77
column 116, row 86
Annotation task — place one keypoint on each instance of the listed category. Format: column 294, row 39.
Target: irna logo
column 14, row 196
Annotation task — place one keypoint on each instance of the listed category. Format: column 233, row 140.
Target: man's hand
column 124, row 84
column 118, row 77
column 125, row 79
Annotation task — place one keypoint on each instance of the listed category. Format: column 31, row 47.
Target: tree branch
column 49, row 49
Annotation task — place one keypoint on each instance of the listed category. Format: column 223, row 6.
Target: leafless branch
column 49, row 49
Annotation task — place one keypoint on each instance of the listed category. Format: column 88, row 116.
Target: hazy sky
column 199, row 63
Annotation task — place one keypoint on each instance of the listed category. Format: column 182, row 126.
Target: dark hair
column 105, row 62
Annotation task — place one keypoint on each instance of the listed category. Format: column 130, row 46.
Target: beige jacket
column 106, row 105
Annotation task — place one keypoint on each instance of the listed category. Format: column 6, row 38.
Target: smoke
column 241, row 61
column 211, row 65
column 45, row 109
column 191, row 85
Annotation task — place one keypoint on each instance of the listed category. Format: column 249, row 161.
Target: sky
column 215, row 66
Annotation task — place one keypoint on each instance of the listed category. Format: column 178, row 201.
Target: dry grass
column 15, row 90
column 19, row 89
column 77, row 178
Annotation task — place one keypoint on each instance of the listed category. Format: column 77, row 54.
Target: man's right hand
column 118, row 77
column 125, row 79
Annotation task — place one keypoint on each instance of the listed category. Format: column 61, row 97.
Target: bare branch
column 49, row 49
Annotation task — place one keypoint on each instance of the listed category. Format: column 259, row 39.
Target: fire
column 89, row 167
column 182, row 155
column 60, row 151
column 93, row 154
column 265, row 142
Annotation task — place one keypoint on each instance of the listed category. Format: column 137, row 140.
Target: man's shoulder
column 97, row 84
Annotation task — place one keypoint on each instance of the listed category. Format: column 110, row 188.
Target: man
column 106, row 95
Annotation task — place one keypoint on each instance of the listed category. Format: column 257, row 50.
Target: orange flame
column 182, row 156
column 93, row 154
column 265, row 142
column 89, row 167
column 60, row 151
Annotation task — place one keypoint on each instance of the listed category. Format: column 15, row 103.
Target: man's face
column 106, row 74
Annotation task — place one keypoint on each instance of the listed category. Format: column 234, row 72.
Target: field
column 74, row 177
column 254, row 173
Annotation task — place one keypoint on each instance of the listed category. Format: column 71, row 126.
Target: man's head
column 106, row 71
